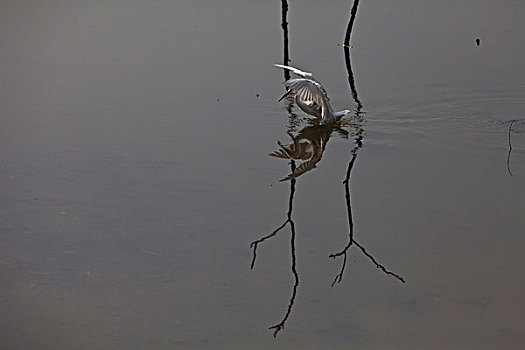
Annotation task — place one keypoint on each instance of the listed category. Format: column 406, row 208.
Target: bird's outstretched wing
column 296, row 71
column 309, row 91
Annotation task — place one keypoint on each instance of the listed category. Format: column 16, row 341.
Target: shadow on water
column 307, row 147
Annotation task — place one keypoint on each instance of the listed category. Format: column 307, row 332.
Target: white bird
column 310, row 96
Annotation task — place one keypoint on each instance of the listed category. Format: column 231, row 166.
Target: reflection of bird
column 310, row 96
column 308, row 146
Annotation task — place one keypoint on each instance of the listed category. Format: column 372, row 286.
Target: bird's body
column 310, row 96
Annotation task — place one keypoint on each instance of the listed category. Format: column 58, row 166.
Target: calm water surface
column 134, row 175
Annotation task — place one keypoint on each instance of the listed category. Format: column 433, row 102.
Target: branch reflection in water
column 278, row 327
column 293, row 122
column 308, row 147
column 510, row 148
column 359, row 134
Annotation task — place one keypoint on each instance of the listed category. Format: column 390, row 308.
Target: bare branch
column 358, row 144
column 346, row 48
column 353, row 13
column 284, row 26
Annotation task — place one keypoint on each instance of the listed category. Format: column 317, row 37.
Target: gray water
column 134, row 175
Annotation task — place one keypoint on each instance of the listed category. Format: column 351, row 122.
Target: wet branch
column 284, row 26
column 359, row 143
column 346, row 46
column 353, row 13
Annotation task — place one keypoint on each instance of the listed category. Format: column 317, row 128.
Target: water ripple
column 450, row 119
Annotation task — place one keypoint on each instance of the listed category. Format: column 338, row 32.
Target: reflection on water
column 278, row 327
column 307, row 146
column 510, row 148
column 351, row 239
column 512, row 122
column 358, row 140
